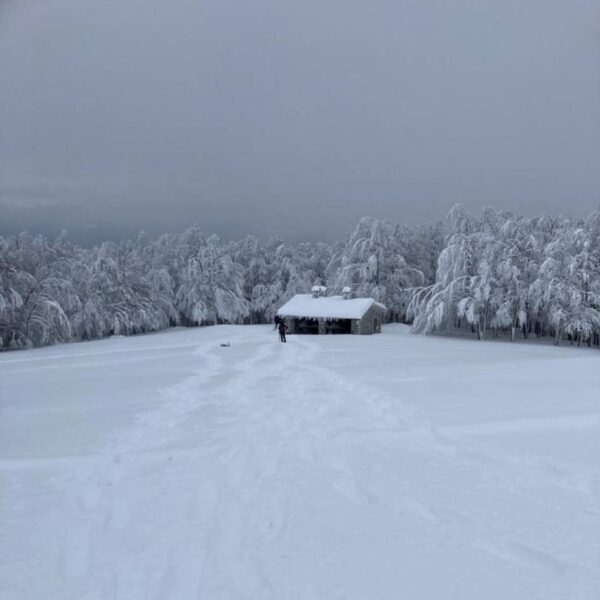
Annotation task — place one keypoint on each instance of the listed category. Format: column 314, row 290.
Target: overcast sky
column 274, row 117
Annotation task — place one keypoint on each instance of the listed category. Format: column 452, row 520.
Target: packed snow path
column 394, row 466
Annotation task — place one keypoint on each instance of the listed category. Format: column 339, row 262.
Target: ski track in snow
column 269, row 475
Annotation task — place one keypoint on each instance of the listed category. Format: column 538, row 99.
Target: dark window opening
column 338, row 326
column 306, row 326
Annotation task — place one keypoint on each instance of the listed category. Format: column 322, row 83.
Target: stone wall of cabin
column 366, row 325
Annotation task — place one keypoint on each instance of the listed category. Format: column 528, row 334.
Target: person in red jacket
column 282, row 328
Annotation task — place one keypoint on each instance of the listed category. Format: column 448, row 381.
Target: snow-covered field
column 395, row 466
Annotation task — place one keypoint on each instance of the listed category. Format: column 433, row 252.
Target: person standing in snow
column 282, row 327
column 277, row 321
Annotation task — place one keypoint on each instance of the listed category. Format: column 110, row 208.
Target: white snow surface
column 327, row 307
column 332, row 467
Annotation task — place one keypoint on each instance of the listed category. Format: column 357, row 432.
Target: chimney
column 347, row 293
column 316, row 291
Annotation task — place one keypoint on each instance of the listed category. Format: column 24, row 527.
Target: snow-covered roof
column 327, row 307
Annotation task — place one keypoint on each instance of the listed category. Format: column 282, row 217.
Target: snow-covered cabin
column 316, row 313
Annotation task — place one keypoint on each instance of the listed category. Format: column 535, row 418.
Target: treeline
column 504, row 273
column 55, row 291
column 497, row 275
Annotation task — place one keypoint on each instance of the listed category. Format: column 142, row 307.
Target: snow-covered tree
column 212, row 287
column 538, row 275
column 371, row 263
column 497, row 274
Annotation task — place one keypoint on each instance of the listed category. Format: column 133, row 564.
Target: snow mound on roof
column 328, row 307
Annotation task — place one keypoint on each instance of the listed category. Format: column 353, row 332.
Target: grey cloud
column 295, row 119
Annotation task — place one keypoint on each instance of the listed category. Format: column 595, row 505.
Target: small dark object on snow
column 223, row 345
